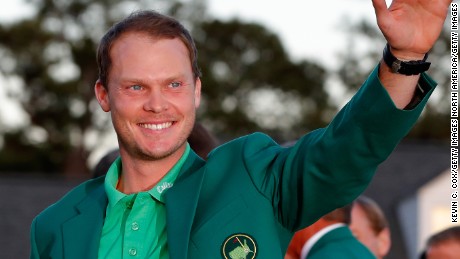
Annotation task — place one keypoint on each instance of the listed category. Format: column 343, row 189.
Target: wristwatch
column 412, row 67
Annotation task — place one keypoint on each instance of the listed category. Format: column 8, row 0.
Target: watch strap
column 413, row 67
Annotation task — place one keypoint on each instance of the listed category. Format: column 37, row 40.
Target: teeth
column 157, row 126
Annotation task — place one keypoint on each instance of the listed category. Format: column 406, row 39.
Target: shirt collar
column 157, row 192
column 309, row 244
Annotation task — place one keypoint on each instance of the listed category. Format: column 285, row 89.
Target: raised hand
column 411, row 27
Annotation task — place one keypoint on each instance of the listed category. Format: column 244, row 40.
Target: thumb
column 380, row 7
column 381, row 10
column 382, row 14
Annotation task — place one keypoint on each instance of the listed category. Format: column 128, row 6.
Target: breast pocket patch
column 239, row 246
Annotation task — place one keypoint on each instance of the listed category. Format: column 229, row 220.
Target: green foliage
column 242, row 61
column 54, row 55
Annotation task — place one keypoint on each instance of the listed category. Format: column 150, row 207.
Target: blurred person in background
column 444, row 244
column 201, row 140
column 329, row 237
column 370, row 226
column 105, row 162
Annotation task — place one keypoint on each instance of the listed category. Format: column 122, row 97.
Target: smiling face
column 152, row 95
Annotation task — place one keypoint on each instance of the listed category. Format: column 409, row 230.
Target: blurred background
column 283, row 68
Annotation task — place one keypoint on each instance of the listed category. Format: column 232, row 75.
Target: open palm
column 411, row 27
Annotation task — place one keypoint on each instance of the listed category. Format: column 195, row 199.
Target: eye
column 175, row 84
column 136, row 87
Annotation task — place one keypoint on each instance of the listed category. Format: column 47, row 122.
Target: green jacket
column 251, row 195
column 339, row 243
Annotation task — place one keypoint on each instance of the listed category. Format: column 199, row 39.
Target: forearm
column 411, row 28
column 336, row 164
column 401, row 88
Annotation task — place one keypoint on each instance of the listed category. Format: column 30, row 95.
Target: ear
column 384, row 242
column 102, row 96
column 197, row 92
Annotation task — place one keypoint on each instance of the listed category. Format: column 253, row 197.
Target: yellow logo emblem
column 239, row 246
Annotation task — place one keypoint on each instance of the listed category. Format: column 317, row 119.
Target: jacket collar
column 340, row 233
column 82, row 233
column 181, row 201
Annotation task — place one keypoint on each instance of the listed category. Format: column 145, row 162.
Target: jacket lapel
column 82, row 233
column 181, row 201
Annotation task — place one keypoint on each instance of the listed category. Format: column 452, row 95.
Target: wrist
column 405, row 63
column 406, row 55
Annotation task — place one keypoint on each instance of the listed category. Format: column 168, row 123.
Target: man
column 369, row 225
column 445, row 244
column 329, row 237
column 160, row 200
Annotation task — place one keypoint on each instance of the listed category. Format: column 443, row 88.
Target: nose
column 156, row 101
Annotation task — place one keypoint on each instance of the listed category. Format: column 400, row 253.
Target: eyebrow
column 168, row 79
column 133, row 80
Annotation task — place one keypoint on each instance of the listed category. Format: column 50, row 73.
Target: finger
column 382, row 15
column 380, row 7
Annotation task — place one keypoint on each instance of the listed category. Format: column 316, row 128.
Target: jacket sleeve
column 329, row 167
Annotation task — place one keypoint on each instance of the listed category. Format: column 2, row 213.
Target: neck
column 142, row 175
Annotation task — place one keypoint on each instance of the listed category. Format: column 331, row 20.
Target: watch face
column 413, row 67
column 396, row 66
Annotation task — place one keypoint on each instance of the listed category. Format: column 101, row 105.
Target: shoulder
column 46, row 229
column 340, row 243
column 66, row 206
column 248, row 144
column 244, row 151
